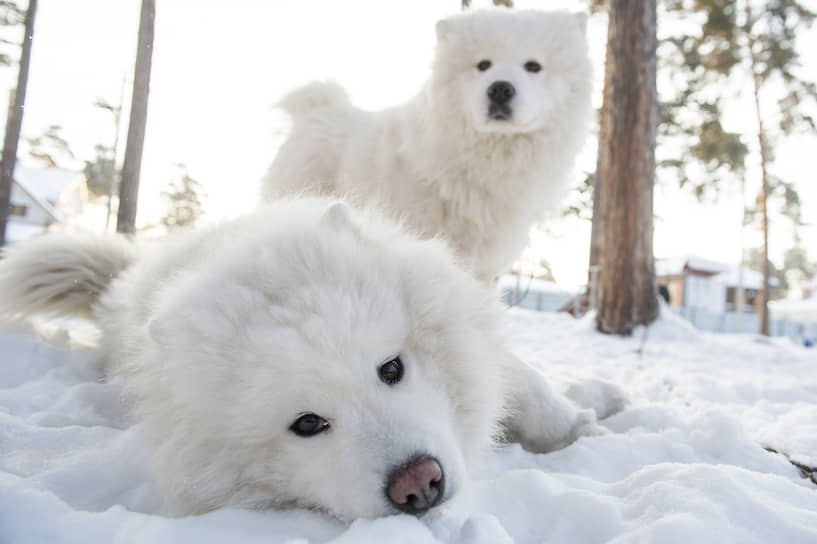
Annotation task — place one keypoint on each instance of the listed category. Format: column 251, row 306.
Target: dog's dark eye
column 309, row 425
column 532, row 66
column 391, row 371
column 483, row 65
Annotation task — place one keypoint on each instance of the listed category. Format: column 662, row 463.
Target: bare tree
column 129, row 184
column 15, row 121
column 627, row 165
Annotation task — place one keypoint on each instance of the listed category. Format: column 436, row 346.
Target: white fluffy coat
column 224, row 336
column 440, row 162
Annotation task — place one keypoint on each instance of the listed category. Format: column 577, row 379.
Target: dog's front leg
column 538, row 417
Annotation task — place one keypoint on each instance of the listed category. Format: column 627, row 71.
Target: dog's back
column 309, row 160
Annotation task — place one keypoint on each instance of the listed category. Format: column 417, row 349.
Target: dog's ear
column 338, row 216
column 581, row 20
column 443, row 28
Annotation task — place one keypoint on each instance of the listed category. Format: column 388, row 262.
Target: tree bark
column 15, row 121
column 596, row 242
column 627, row 288
column 596, row 226
column 129, row 183
column 763, row 298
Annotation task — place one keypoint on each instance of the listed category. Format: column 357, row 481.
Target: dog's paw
column 603, row 397
column 586, row 424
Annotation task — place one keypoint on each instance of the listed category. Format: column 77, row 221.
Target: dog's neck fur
column 489, row 187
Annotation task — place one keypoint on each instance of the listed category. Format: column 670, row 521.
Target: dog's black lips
column 499, row 112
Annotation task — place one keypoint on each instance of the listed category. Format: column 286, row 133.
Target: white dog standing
column 479, row 155
column 305, row 356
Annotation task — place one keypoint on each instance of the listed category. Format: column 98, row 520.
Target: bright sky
column 219, row 66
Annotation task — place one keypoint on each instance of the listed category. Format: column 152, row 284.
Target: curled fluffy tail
column 313, row 96
column 61, row 274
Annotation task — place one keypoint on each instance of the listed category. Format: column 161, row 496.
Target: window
column 18, row 210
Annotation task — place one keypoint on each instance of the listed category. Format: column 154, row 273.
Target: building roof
column 47, row 183
column 45, row 186
column 677, row 265
column 751, row 279
column 727, row 274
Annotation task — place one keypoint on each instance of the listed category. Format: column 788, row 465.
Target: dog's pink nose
column 417, row 486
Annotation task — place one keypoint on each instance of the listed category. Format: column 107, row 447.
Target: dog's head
column 512, row 71
column 333, row 363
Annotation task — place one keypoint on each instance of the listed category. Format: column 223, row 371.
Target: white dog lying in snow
column 477, row 156
column 305, row 356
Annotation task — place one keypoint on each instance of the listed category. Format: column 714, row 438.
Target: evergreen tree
column 183, row 198
column 98, row 172
column 101, row 173
column 50, row 148
column 707, row 46
column 11, row 16
column 797, row 266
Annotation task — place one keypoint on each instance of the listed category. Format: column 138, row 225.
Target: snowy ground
column 684, row 463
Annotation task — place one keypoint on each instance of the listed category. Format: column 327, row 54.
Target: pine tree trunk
column 764, row 191
column 596, row 241
column 15, row 121
column 596, row 227
column 628, row 294
column 129, row 183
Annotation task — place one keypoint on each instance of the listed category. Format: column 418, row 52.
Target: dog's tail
column 313, row 96
column 61, row 274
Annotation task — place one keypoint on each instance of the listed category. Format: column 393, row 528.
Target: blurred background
column 212, row 129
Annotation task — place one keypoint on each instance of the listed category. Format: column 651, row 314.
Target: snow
column 803, row 309
column 685, row 462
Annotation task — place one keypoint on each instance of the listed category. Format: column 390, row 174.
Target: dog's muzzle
column 417, row 485
column 500, row 94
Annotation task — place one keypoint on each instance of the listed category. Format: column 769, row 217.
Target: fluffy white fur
column 224, row 336
column 441, row 162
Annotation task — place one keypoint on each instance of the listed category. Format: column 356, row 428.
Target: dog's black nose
column 501, row 92
column 417, row 485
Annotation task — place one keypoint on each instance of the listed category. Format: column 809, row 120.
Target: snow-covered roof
column 45, row 186
column 45, row 183
column 46, row 206
column 676, row 265
column 751, row 279
column 727, row 274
